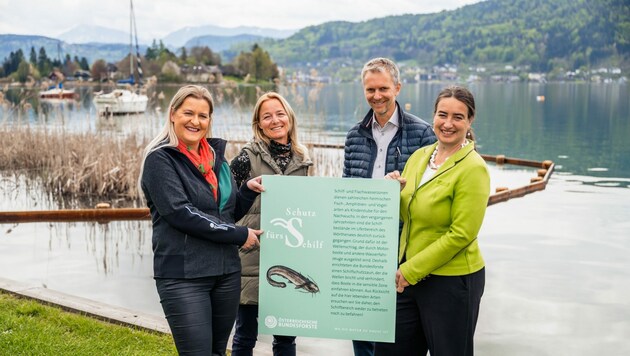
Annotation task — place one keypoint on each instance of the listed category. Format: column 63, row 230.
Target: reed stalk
column 101, row 167
column 74, row 165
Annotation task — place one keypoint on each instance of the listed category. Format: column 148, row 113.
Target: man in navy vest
column 385, row 138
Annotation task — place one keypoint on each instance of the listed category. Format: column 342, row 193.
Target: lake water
column 558, row 272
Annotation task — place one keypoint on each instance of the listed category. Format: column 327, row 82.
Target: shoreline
column 106, row 312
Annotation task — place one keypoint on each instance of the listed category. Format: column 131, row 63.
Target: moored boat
column 124, row 101
column 121, row 101
column 58, row 93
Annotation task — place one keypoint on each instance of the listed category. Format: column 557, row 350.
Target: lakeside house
column 202, row 74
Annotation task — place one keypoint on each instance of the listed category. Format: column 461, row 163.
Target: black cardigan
column 194, row 235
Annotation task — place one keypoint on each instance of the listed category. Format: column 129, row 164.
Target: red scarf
column 204, row 161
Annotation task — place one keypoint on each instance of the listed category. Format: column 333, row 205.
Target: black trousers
column 200, row 311
column 363, row 348
column 439, row 315
column 246, row 334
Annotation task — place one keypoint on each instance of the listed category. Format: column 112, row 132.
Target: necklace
column 434, row 166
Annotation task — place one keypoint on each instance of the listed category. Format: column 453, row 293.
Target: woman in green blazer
column 441, row 276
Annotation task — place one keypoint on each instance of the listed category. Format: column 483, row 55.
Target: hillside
column 180, row 37
column 540, row 35
column 537, row 33
column 11, row 43
column 98, row 34
column 55, row 48
column 222, row 43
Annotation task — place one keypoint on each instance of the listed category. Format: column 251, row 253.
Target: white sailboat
column 121, row 101
column 124, row 101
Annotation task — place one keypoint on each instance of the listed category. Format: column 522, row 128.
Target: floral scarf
column 204, row 161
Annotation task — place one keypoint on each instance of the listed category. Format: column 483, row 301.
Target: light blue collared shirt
column 383, row 136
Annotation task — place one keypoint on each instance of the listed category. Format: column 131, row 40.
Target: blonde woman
column 274, row 150
column 194, row 203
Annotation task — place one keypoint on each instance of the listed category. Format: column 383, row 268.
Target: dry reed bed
column 74, row 165
column 90, row 165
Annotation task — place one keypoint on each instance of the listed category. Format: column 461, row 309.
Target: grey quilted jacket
column 262, row 162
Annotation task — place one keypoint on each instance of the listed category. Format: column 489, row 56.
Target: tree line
column 255, row 64
column 39, row 64
column 540, row 34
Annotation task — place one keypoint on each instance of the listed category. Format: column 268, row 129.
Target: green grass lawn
column 30, row 328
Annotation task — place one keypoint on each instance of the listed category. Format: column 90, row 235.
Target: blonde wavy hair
column 167, row 137
column 296, row 147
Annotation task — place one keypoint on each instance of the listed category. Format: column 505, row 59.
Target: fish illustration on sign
column 292, row 276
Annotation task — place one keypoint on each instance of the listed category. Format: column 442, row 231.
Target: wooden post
column 100, row 215
column 105, row 214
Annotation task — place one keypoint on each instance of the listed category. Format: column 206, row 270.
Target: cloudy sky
column 157, row 18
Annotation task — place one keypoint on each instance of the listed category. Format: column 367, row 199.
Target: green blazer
column 442, row 217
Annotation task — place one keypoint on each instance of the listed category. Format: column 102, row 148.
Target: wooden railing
column 106, row 214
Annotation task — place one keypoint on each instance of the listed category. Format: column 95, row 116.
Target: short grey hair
column 381, row 65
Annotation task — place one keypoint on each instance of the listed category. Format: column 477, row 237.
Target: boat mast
column 135, row 34
column 131, row 73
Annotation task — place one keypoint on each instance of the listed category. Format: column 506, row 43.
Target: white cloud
column 157, row 18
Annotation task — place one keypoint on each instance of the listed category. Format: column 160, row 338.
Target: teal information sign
column 328, row 257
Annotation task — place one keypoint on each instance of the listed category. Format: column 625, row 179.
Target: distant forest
column 534, row 35
column 541, row 34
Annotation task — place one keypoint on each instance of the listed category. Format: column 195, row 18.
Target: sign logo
column 271, row 321
column 289, row 225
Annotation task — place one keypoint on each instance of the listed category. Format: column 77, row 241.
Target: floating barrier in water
column 103, row 213
column 536, row 183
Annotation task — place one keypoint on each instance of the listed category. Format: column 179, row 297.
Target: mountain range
column 97, row 34
column 542, row 35
column 91, row 33
column 185, row 35
column 97, row 42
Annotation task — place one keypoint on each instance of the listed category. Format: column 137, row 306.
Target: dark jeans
column 439, row 315
column 363, row 348
column 200, row 311
column 246, row 334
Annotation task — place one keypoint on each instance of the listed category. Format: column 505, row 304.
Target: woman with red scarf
column 194, row 203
